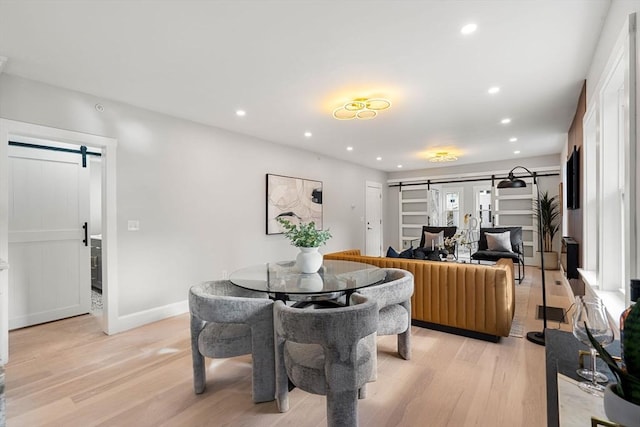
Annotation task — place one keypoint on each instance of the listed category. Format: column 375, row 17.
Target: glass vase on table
column 591, row 313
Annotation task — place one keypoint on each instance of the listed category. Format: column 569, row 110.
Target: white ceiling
column 290, row 63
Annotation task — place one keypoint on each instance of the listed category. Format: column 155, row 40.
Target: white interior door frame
column 10, row 129
column 377, row 216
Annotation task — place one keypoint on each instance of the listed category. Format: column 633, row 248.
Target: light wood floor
column 68, row 373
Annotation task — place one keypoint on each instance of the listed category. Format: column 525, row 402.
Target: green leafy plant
column 628, row 386
column 304, row 235
column 549, row 215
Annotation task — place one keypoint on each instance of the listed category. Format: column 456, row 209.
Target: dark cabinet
column 96, row 263
column 569, row 257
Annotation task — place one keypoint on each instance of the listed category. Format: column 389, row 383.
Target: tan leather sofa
column 469, row 299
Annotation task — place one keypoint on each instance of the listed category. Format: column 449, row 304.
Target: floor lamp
column 513, row 182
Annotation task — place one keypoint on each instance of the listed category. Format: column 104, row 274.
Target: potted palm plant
column 308, row 239
column 550, row 222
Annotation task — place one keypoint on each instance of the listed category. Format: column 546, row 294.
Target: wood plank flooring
column 68, row 373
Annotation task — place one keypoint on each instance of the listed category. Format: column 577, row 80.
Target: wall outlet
column 133, row 225
column 225, row 276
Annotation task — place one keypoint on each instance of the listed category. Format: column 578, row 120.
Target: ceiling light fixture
column 468, row 29
column 399, row 166
column 349, row 148
column 505, row 121
column 514, row 139
column 241, row 113
column 493, row 90
column 378, row 158
column 308, row 134
column 443, row 156
column 361, row 108
column 516, row 152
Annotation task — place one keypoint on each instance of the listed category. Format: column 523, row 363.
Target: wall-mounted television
column 573, row 179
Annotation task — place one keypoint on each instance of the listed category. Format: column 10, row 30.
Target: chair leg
column 263, row 376
column 282, row 379
column 520, row 270
column 404, row 344
column 342, row 408
column 404, row 339
column 199, row 371
column 263, row 366
column 362, row 392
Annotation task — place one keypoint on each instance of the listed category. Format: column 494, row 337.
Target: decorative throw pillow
column 419, row 253
column 432, row 240
column 407, row 253
column 392, row 253
column 499, row 242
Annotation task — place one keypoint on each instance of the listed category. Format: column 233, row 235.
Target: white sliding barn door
column 49, row 278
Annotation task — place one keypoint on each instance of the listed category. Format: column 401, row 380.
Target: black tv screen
column 573, row 180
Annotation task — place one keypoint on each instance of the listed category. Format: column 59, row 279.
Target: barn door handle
column 86, row 240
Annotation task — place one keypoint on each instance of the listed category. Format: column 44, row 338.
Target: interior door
column 373, row 219
column 49, row 278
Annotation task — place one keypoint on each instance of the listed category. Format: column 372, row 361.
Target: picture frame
column 297, row 199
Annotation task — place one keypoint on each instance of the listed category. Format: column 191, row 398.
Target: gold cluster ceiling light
column 443, row 156
column 361, row 108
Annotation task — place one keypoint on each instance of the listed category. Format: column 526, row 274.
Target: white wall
column 198, row 191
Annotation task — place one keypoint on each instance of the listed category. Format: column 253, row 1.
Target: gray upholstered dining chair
column 327, row 352
column 394, row 305
column 228, row 321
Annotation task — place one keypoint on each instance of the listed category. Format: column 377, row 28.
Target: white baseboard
column 134, row 320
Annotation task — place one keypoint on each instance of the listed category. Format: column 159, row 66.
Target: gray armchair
column 394, row 305
column 327, row 352
column 228, row 321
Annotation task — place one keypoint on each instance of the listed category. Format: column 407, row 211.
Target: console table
column 561, row 351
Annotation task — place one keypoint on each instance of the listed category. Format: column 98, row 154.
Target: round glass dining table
column 283, row 281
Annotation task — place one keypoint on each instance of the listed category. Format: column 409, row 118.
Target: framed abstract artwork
column 296, row 199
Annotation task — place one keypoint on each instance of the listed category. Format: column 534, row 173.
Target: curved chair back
column 397, row 288
column 326, row 351
column 394, row 303
column 337, row 328
column 223, row 302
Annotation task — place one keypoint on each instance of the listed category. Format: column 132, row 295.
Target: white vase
column 309, row 260
column 619, row 410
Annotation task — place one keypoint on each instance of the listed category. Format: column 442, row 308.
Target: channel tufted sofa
column 468, row 299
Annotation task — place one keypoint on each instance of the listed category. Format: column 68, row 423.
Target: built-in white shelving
column 418, row 206
column 516, row 210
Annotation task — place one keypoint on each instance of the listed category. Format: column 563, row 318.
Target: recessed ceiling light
column 505, row 121
column 378, row 158
column 349, row 148
column 468, row 29
column 516, row 152
column 241, row 113
column 308, row 134
column 514, row 139
column 399, row 166
column 493, row 90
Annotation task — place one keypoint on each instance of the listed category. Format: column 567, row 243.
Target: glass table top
column 284, row 278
